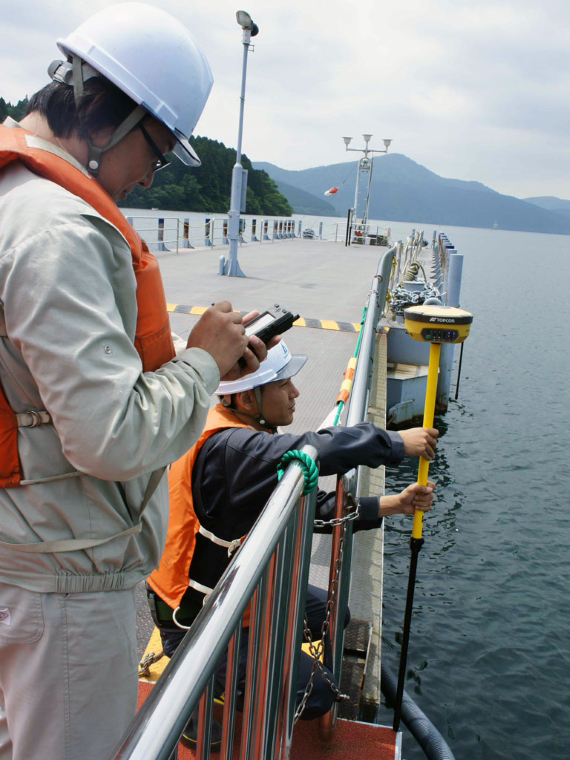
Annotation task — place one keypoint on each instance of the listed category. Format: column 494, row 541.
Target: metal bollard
column 222, row 265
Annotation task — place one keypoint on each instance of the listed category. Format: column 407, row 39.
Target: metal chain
column 352, row 514
column 336, row 520
column 318, row 651
column 402, row 299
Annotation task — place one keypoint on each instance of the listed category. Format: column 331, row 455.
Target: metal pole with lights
column 364, row 165
column 237, row 201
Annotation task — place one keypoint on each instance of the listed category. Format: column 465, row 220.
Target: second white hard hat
column 153, row 59
column 279, row 365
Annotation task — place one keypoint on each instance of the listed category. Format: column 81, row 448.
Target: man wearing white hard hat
column 219, row 487
column 94, row 403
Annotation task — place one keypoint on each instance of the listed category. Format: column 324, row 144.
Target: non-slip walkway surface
column 352, row 740
column 321, row 280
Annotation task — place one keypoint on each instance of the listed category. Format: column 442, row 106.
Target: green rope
column 338, row 413
column 310, row 469
column 362, row 320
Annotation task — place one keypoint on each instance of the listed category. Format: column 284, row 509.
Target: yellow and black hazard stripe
column 318, row 324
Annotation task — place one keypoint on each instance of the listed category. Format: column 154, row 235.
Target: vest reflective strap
column 201, row 588
column 231, row 546
column 180, row 625
column 78, row 544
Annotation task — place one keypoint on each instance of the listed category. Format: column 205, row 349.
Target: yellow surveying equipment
column 434, row 324
column 437, row 324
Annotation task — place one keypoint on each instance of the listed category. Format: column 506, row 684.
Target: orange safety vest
column 153, row 338
column 171, row 579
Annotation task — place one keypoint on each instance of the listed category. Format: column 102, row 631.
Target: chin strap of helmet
column 257, row 417
column 77, row 73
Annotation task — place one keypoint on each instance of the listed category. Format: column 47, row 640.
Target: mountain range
column 403, row 190
column 552, row 204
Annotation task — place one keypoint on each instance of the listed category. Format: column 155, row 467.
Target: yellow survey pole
column 433, row 324
column 429, row 410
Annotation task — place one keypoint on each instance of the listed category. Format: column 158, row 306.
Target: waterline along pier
column 347, row 297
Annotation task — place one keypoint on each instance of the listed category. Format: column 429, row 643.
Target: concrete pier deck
column 322, row 281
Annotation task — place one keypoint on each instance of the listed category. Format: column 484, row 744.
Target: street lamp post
column 232, row 268
column 364, row 166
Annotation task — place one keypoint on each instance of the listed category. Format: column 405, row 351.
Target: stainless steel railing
column 270, row 569
column 348, row 484
column 406, row 254
column 165, row 232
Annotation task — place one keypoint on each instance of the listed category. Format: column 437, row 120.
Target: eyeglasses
column 161, row 161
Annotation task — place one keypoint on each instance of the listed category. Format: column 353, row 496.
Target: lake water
column 489, row 655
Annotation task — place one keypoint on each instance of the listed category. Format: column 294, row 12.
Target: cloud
column 478, row 92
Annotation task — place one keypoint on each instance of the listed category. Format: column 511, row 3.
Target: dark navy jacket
column 236, row 472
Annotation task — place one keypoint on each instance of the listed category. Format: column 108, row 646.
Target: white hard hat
column 153, row 59
column 279, row 365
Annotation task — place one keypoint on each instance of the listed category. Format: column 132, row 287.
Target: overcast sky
column 474, row 91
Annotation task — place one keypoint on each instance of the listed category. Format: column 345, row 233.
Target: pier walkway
column 328, row 285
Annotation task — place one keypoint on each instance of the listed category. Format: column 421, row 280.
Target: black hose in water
column 418, row 724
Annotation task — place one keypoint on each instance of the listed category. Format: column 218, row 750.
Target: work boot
column 190, row 734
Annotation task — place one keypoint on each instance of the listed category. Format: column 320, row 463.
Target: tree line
column 206, row 188
column 16, row 112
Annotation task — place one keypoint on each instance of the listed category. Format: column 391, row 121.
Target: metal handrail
column 336, row 231
column 348, row 484
column 272, row 566
column 208, row 233
column 406, row 255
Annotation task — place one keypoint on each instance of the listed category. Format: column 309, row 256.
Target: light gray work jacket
column 67, row 324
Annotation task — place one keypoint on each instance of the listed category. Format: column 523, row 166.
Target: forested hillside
column 16, row 112
column 207, row 188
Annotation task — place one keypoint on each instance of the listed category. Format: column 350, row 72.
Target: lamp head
column 386, row 144
column 367, row 138
column 246, row 23
column 244, row 19
column 347, row 141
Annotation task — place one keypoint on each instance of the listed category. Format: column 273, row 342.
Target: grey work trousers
column 68, row 673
